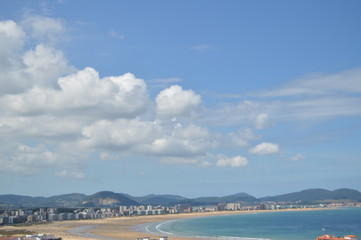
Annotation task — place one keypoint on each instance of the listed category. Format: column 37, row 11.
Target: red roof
column 8, row 238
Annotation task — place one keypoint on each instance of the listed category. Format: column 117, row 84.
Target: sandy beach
column 114, row 228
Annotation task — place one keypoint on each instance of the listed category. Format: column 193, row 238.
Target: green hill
column 239, row 197
column 107, row 198
column 153, row 199
column 312, row 195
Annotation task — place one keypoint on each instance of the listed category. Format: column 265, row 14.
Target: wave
column 164, row 232
column 155, row 228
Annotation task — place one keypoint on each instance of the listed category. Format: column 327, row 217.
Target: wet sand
column 115, row 228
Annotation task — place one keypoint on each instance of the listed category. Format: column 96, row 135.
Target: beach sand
column 115, row 228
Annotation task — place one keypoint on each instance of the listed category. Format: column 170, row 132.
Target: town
column 41, row 215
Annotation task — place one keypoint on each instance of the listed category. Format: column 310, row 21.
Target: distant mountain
column 312, row 195
column 19, row 200
column 111, row 199
column 65, row 200
column 153, row 199
column 239, row 197
column 107, row 198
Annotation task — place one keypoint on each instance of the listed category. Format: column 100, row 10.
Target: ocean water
column 295, row 225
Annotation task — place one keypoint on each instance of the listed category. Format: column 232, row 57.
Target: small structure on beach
column 31, row 237
column 332, row 237
column 148, row 238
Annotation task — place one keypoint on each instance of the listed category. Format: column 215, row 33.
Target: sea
column 273, row 225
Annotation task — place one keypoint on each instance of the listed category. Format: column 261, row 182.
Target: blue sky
column 195, row 98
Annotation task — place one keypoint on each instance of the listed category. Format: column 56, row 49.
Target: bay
column 295, row 225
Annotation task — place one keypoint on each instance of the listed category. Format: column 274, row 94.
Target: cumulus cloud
column 45, row 127
column 46, row 100
column 83, row 93
column 237, row 161
column 183, row 141
column 119, row 135
column 135, row 136
column 21, row 69
column 171, row 146
column 174, row 101
column 265, row 148
column 12, row 38
column 43, row 99
column 44, row 65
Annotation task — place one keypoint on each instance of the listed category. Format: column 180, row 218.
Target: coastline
column 125, row 228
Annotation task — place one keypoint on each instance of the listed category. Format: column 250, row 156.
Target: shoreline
column 127, row 227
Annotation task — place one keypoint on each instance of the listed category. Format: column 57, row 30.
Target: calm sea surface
column 297, row 225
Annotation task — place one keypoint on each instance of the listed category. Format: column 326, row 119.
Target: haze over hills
column 111, row 199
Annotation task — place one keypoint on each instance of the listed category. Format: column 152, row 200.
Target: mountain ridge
column 112, row 199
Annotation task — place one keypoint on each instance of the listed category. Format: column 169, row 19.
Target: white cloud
column 171, row 146
column 265, row 148
column 183, row 141
column 323, row 108
column 119, row 135
column 44, row 29
column 115, row 34
column 46, row 127
column 185, row 161
column 21, row 159
column 133, row 136
column 316, row 97
column 242, row 137
column 108, row 156
column 237, row 161
column 44, row 65
column 262, row 121
column 297, row 157
column 83, row 93
column 74, row 113
column 21, row 70
column 46, row 100
column 320, row 84
column 174, row 101
column 26, row 160
column 70, row 174
column 12, row 38
column 242, row 113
